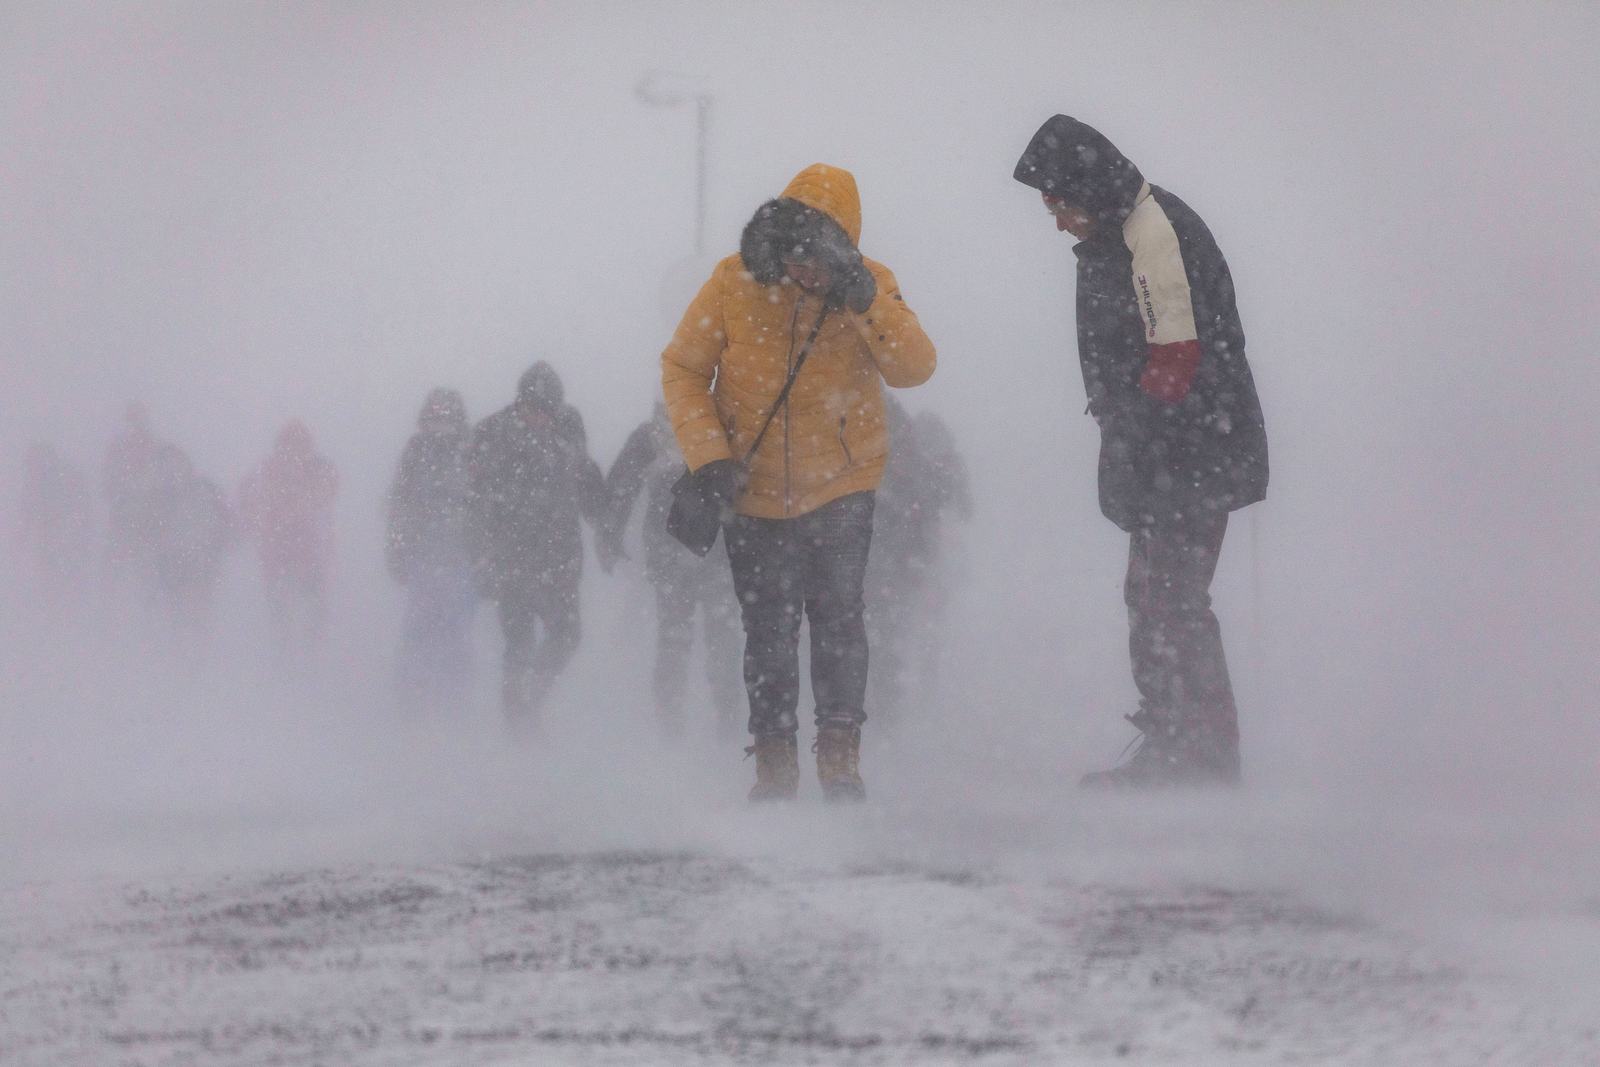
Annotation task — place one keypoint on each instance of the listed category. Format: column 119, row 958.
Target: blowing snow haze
column 241, row 215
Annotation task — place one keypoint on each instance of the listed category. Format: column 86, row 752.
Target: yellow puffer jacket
column 732, row 352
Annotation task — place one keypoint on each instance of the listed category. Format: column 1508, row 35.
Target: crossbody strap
column 783, row 394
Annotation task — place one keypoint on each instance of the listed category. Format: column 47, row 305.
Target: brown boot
column 777, row 768
column 838, row 750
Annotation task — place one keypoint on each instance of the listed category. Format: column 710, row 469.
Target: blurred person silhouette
column 286, row 508
column 128, row 478
column 1183, row 441
column 531, row 480
column 952, row 499
column 952, row 485
column 192, row 530
column 689, row 589
column 427, row 552
column 923, row 480
column 774, row 386
column 54, row 525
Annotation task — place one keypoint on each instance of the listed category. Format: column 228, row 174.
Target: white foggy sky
column 242, row 212
column 331, row 206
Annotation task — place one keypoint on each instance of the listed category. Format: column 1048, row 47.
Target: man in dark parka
column 1183, row 442
column 531, row 479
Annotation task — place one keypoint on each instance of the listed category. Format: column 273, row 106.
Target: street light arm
column 662, row 88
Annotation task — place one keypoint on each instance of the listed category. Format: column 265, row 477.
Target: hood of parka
column 818, row 215
column 540, row 386
column 1075, row 161
column 832, row 191
column 443, row 411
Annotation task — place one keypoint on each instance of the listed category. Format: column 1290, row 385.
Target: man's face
column 1069, row 217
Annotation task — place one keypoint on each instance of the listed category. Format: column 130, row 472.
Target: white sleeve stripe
column 1160, row 283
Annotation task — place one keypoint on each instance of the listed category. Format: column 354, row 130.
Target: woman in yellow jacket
column 801, row 503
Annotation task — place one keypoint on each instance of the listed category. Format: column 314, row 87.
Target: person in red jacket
column 286, row 505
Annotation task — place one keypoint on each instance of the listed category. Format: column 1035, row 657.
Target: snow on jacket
column 723, row 370
column 1159, row 337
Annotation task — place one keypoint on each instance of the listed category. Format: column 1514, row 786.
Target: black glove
column 853, row 285
column 720, row 482
column 856, row 289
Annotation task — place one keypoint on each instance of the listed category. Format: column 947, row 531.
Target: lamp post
column 660, row 88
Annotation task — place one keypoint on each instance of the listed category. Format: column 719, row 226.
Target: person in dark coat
column 689, row 588
column 427, row 552
column 531, row 480
column 193, row 530
column 922, row 482
column 54, row 523
column 1183, row 442
column 129, row 480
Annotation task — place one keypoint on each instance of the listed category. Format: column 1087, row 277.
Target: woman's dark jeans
column 814, row 563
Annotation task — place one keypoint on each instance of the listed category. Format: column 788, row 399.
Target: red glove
column 1170, row 371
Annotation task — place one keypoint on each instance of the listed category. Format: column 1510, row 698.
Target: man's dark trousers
column 1174, row 638
column 815, row 563
column 533, row 661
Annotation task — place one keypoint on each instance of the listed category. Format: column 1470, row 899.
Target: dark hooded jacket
column 427, row 525
column 1159, row 338
column 906, row 516
column 531, row 480
column 194, row 523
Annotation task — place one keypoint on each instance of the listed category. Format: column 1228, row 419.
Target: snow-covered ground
column 210, row 861
column 441, row 898
column 747, row 956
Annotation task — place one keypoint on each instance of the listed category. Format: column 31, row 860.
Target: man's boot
column 1214, row 758
column 1172, row 752
column 838, row 750
column 1157, row 758
column 777, row 768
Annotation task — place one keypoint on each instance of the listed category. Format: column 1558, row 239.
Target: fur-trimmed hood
column 818, row 215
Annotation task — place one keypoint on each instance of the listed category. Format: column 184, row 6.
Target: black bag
column 697, row 514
